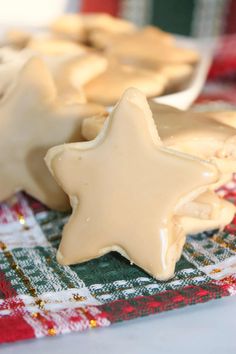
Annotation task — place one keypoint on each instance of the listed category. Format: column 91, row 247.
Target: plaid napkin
column 39, row 297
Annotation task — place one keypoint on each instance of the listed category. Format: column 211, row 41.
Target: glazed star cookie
column 11, row 62
column 124, row 188
column 197, row 134
column 32, row 120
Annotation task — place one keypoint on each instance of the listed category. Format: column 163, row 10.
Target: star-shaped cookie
column 197, row 134
column 207, row 135
column 32, row 120
column 124, row 187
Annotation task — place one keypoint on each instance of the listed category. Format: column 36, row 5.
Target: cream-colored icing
column 188, row 132
column 127, row 185
column 32, row 120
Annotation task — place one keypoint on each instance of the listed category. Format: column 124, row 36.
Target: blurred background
column 199, row 18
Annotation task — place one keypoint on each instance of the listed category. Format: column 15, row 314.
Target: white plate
column 184, row 98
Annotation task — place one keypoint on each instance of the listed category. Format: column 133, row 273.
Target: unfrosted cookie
column 139, row 48
column 70, row 72
column 70, row 27
column 107, row 23
column 52, row 46
column 225, row 117
column 79, row 69
column 103, row 38
column 17, row 38
column 154, row 35
column 109, row 86
column 224, row 217
column 207, row 206
column 176, row 74
column 78, row 27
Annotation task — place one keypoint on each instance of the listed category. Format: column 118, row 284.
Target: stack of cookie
column 138, row 192
column 112, row 54
column 138, row 181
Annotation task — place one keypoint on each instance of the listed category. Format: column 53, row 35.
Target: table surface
column 205, row 328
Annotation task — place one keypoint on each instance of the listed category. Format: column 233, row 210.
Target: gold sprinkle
column 15, row 266
column 20, row 273
column 216, row 270
column 40, row 303
column 77, row 297
column 83, row 310
column 23, row 222
column 224, row 244
column 2, row 246
column 93, row 323
column 21, row 219
column 52, row 332
column 34, row 314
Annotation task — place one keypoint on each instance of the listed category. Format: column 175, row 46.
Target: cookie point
column 133, row 94
column 60, row 258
